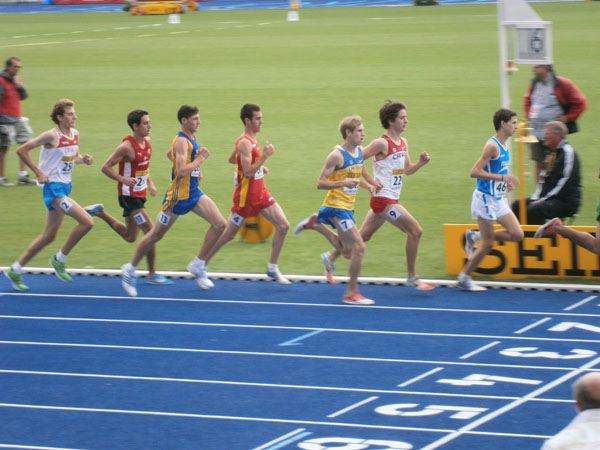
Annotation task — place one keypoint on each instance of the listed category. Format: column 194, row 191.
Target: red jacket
column 568, row 95
column 10, row 103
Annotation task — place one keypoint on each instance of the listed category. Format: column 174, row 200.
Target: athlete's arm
column 49, row 139
column 334, row 160
column 183, row 168
column 490, row 150
column 124, row 152
column 410, row 168
column 377, row 148
column 151, row 186
column 245, row 151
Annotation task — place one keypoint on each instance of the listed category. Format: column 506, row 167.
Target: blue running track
column 252, row 365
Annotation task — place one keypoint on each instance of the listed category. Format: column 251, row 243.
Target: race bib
column 259, row 173
column 345, row 224
column 500, row 188
column 195, row 173
column 141, row 177
column 66, row 164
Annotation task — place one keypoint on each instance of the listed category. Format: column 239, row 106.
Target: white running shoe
column 306, row 224
column 276, row 275
column 328, row 266
column 466, row 284
column 548, row 228
column 92, row 210
column 128, row 280
column 200, row 276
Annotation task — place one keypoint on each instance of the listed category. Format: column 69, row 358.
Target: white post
column 504, row 87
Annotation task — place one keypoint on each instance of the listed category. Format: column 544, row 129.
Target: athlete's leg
column 276, row 216
column 512, row 232
column 581, row 238
column 164, row 222
column 353, row 244
column 85, row 222
column 54, row 220
column 208, row 210
column 398, row 216
column 232, row 227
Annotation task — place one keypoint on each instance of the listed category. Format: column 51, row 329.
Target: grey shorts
column 15, row 133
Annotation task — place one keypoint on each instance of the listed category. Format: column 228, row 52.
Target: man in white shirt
column 583, row 433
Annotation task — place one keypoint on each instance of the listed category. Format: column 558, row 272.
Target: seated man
column 558, row 193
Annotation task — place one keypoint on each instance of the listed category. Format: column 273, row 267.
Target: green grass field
column 442, row 61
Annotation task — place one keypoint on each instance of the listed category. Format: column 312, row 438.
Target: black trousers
column 539, row 212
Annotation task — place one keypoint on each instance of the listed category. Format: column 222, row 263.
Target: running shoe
column 128, row 280
column 548, row 228
column 466, row 284
column 276, row 275
column 92, row 210
column 306, row 224
column 419, row 284
column 159, row 280
column 357, row 299
column 60, row 269
column 471, row 239
column 24, row 179
column 329, row 267
column 200, row 276
column 5, row 182
column 16, row 280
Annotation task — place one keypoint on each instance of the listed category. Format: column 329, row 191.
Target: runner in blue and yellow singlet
column 341, row 176
column 183, row 195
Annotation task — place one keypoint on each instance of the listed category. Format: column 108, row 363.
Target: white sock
column 200, row 263
column 129, row 268
column 477, row 236
column 22, row 173
column 61, row 257
column 272, row 267
column 16, row 267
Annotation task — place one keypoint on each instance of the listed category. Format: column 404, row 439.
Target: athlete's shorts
column 55, row 190
column 184, row 206
column 253, row 210
column 598, row 211
column 378, row 204
column 15, row 133
column 129, row 204
column 488, row 207
column 326, row 214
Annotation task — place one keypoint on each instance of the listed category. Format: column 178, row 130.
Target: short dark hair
column 502, row 115
column 135, row 116
column 389, row 111
column 58, row 109
column 11, row 60
column 186, row 111
column 248, row 110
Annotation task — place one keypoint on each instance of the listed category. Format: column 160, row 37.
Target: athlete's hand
column 265, row 170
column 42, row 179
column 152, row 190
column 203, row 152
column 131, row 182
column 511, row 181
column 351, row 183
column 88, row 159
column 268, row 149
column 424, row 158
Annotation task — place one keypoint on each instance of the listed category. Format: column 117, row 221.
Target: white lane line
column 420, row 377
column 582, row 302
column 285, row 438
column 271, row 303
column 219, row 417
column 281, row 327
column 267, row 385
column 278, row 355
column 296, row 341
column 479, row 350
column 533, row 325
column 351, row 407
column 514, row 404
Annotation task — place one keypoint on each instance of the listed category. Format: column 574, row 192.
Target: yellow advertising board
column 548, row 257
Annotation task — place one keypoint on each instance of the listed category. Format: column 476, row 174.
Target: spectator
column 14, row 129
column 558, row 192
column 549, row 98
column 583, row 433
